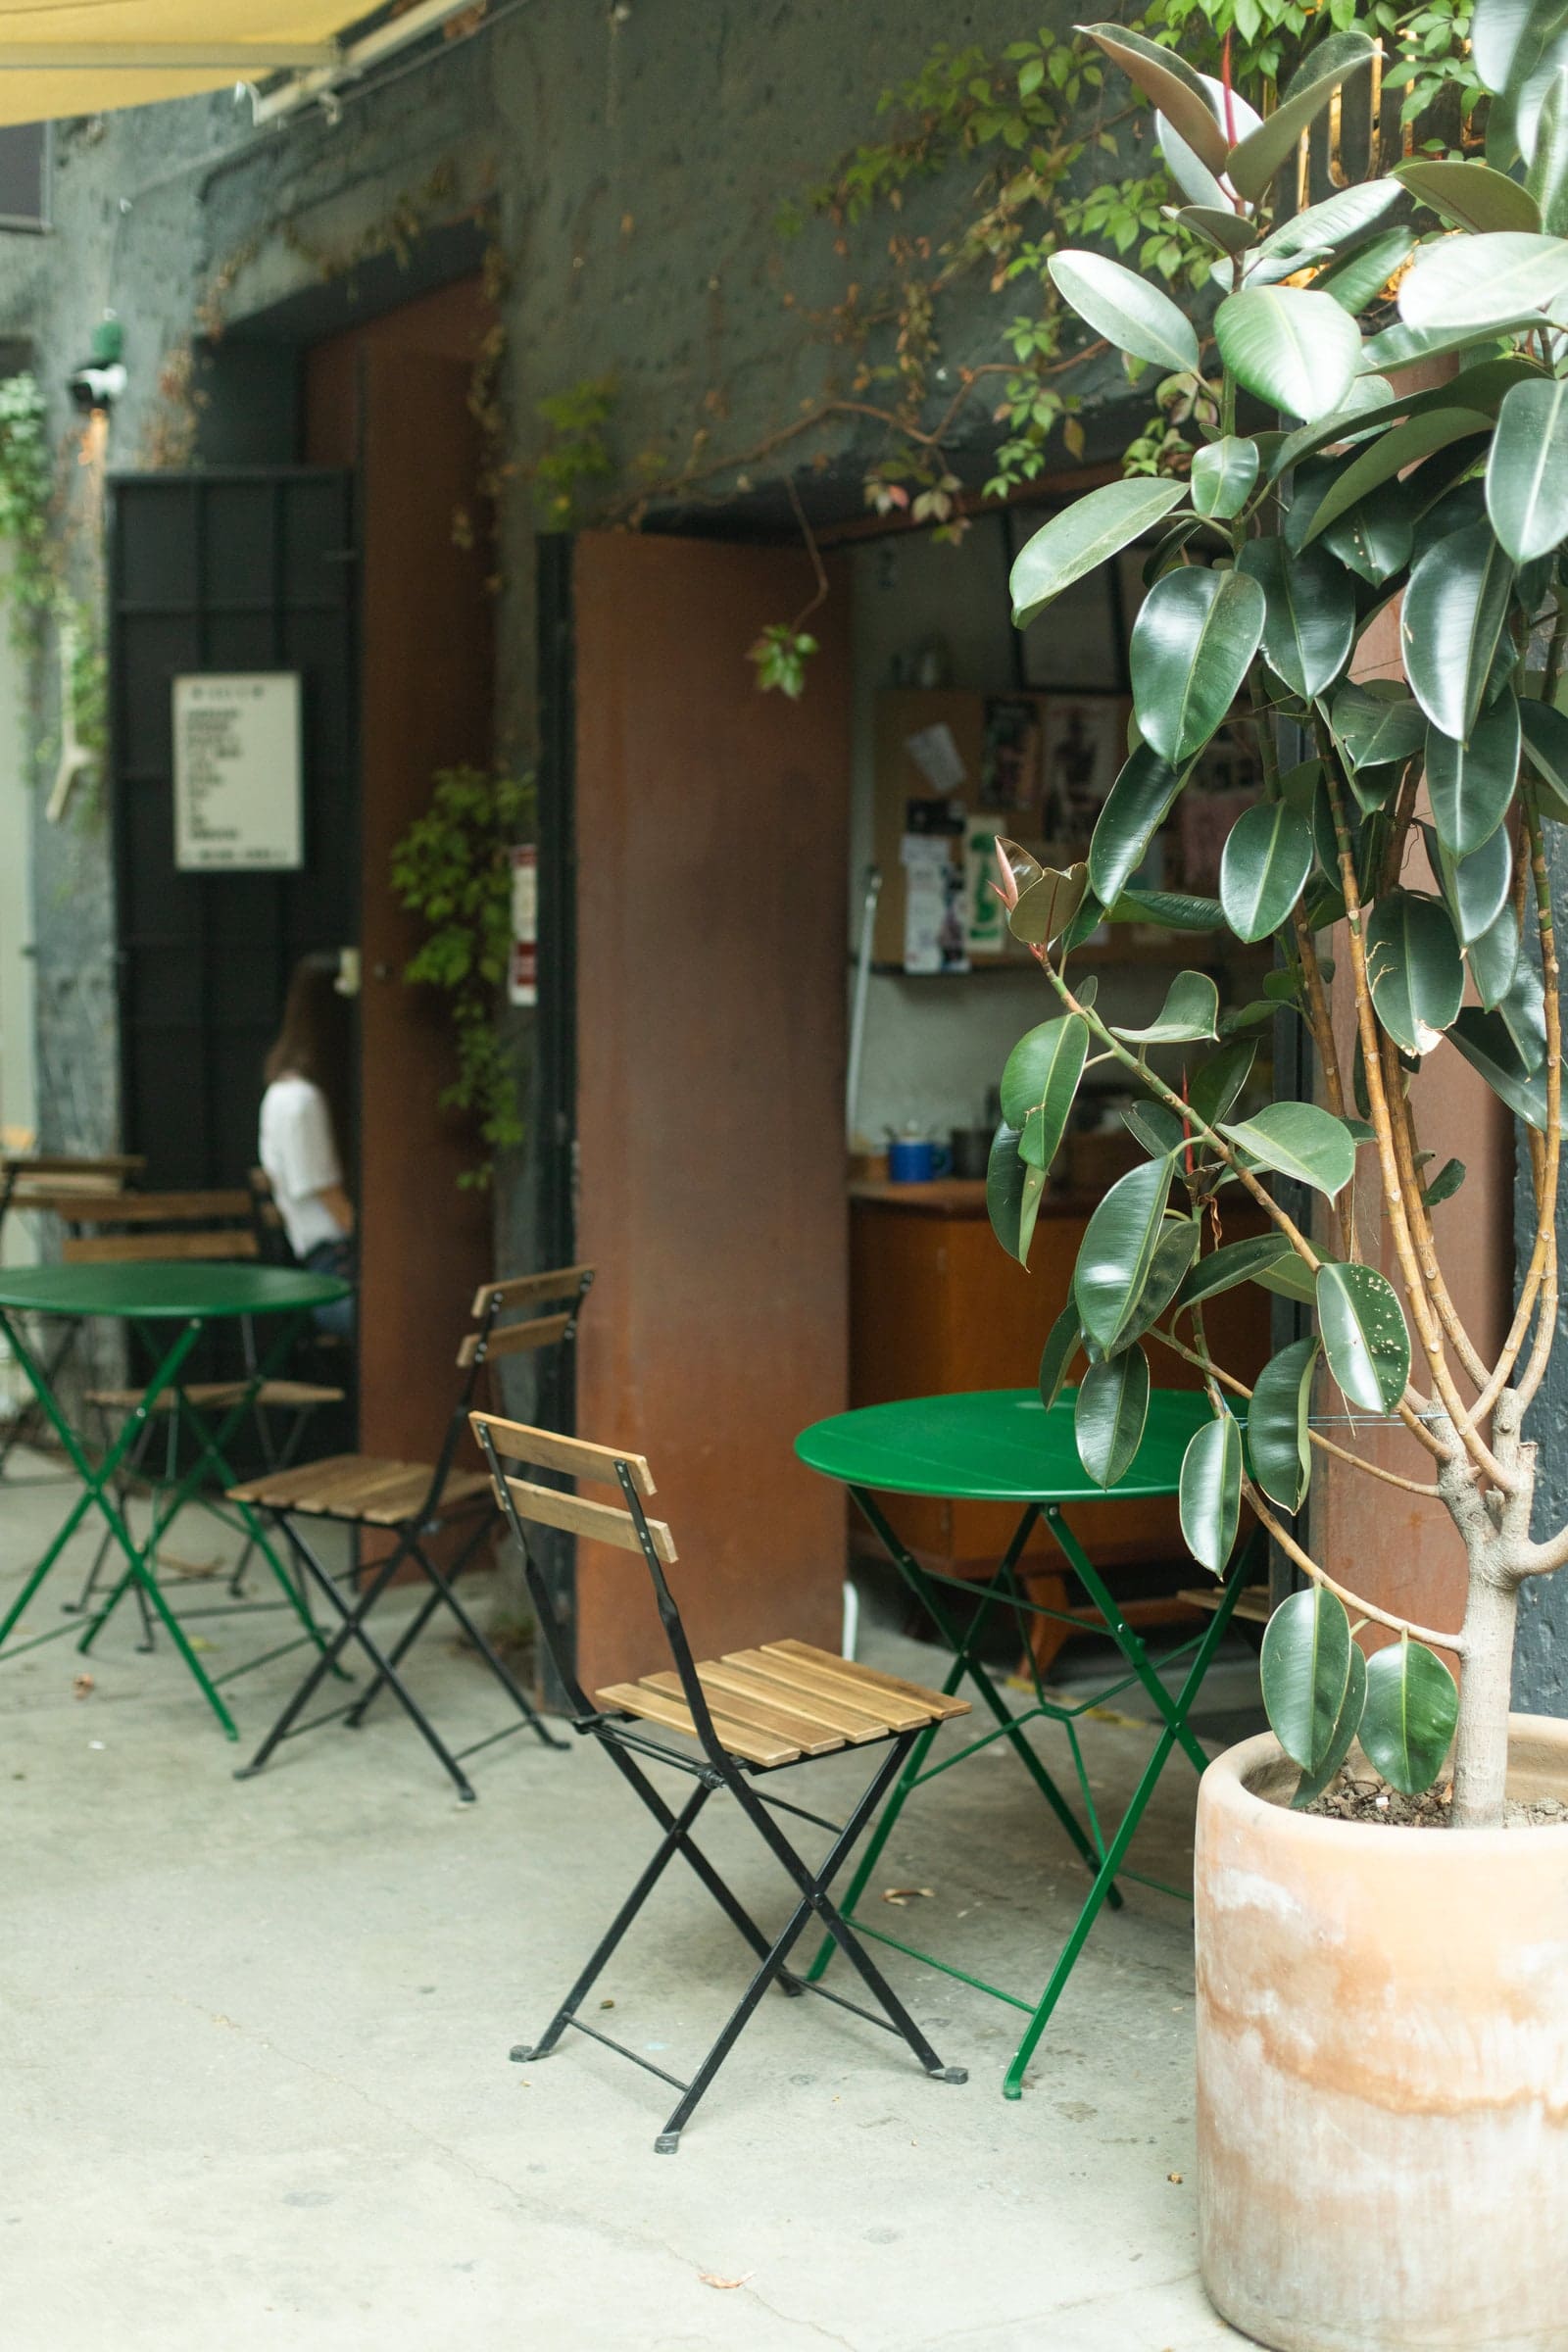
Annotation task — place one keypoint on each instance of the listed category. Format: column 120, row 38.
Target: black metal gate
column 222, row 571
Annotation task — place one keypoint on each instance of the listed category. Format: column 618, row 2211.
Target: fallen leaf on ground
column 713, row 2278
column 83, row 1686
column 1176, row 2176
column 900, row 1895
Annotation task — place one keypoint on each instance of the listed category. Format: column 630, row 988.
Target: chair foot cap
column 668, row 2144
column 949, row 2074
column 246, row 1771
column 521, row 2052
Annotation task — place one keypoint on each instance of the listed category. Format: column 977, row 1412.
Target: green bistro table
column 150, row 1295
column 1002, row 1446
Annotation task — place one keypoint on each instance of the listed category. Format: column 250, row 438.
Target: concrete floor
column 255, row 2046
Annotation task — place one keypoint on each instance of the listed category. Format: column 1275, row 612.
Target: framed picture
column 1011, row 778
column 1085, row 743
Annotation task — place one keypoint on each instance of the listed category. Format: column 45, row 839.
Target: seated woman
column 298, row 1146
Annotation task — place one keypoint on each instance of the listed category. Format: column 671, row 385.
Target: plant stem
column 1457, row 1642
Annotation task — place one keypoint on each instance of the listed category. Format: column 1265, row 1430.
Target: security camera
column 94, row 386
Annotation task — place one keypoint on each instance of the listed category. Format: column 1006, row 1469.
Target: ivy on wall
column 50, row 505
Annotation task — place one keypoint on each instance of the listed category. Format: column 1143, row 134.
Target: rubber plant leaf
column 1545, row 746
column 1298, row 1140
column 1506, row 36
column 1134, row 809
column 1042, row 1074
column 1493, row 958
column 1414, row 967
column 1107, row 1420
column 1471, row 784
column 1263, row 868
column 1276, row 1423
column 1444, row 1184
column 1476, row 886
column 1014, row 1193
column 1212, row 1088
column 1062, row 1342
column 1223, row 474
column 1484, row 1041
column 1401, row 446
column 1413, row 1706
column 1234, row 1262
column 1504, row 280
column 1044, row 910
column 1130, row 313
column 1548, row 180
column 1210, row 1491
column 1190, row 1012
column 1192, row 646
column 1375, row 724
column 1257, row 159
column 1117, row 1252
column 1470, row 195
column 1334, row 224
column 1451, row 620
column 1175, row 910
column 1158, row 1128
column 1310, row 613
column 1081, row 538
column 1305, row 1665
column 1347, row 1723
column 1359, row 279
column 1174, row 1254
column 1170, row 83
column 1364, row 1334
column 1527, row 470
column 1296, row 349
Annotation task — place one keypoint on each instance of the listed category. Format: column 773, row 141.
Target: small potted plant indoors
column 1383, row 2011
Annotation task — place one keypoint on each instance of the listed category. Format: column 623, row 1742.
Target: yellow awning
column 86, row 57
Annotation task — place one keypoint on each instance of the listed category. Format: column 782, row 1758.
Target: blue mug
column 916, row 1161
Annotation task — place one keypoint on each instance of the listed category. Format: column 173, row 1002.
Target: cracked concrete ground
column 255, row 2043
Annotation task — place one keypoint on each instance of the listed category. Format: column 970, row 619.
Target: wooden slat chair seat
column 749, row 1713
column 213, row 1394
column 416, row 1501
column 37, row 1182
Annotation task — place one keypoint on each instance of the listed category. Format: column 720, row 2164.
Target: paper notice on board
column 936, row 756
column 238, row 787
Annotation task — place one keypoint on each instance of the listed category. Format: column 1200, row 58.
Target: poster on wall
column 238, row 780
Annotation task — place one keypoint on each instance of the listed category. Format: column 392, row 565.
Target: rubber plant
column 1403, row 812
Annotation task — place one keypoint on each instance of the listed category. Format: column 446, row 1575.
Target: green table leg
column 1127, row 1641
column 1175, row 1720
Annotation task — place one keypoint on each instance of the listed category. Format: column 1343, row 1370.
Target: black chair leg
column 441, row 1596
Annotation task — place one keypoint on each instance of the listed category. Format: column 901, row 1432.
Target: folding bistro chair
column 136, row 1228
column 46, row 1182
column 751, row 1713
column 414, row 1502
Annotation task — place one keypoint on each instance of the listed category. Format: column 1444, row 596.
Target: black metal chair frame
column 716, row 1769
column 412, row 1535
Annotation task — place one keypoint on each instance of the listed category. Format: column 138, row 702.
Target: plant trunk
column 1486, row 1691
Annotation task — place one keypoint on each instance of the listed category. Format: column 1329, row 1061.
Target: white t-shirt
column 298, row 1153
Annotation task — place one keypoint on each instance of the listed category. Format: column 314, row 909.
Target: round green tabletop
column 994, row 1446
column 152, row 1290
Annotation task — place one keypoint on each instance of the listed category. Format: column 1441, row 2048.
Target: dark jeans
column 334, row 1257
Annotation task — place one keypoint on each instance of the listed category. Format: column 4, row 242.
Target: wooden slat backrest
column 579, row 1517
column 549, row 1451
column 512, row 1339
column 532, row 1290
column 108, row 1248
column 145, row 1208
column 263, row 1202
column 99, row 1169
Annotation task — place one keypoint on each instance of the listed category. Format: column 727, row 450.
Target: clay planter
column 1383, row 2069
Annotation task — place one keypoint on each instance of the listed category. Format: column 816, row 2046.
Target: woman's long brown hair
column 314, row 1041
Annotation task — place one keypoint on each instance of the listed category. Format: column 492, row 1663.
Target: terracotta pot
column 1383, row 2068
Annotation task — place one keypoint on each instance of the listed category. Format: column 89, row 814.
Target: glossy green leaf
column 1356, row 280
column 1310, row 613
column 1400, row 346
column 1544, row 730
column 1289, row 1277
column 1062, row 1342
column 1191, row 1011
column 1014, row 1193
column 1165, row 78
column 1455, row 609
column 1045, row 908
column 1234, row 1262
column 1547, row 179
column 1347, row 1724
column 1306, row 1666
column 1476, row 886
column 1042, row 1071
column 1174, row 1252
column 1503, row 35
column 1108, row 1416
column 1254, row 163
column 1505, row 279
column 1376, row 724
column 1493, row 958
column 1300, row 1141
column 1210, row 1491
column 1117, row 1251
column 1527, row 470
column 1214, row 1087
column 1175, row 910
column 1082, row 536
column 1364, row 1334
column 1129, row 311
column 1263, row 868
column 1334, row 224
column 1197, row 182
column 1513, row 117
column 1472, row 783
column 1192, row 645
column 1415, row 970
column 1413, row 1706
column 1469, row 195
column 1444, row 1184
column 1276, row 1423
column 1523, row 1014
column 1484, row 1038
column 1223, row 474
column 1134, row 809
column 1402, row 445
column 1158, row 1128
column 1295, row 348
column 1374, row 539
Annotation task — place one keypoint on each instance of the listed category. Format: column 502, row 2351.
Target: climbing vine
column 452, row 868
column 49, row 501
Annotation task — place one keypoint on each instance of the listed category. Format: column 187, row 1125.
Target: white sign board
column 238, row 798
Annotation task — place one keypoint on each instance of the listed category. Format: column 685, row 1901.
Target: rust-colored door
column 712, row 841
column 426, row 678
